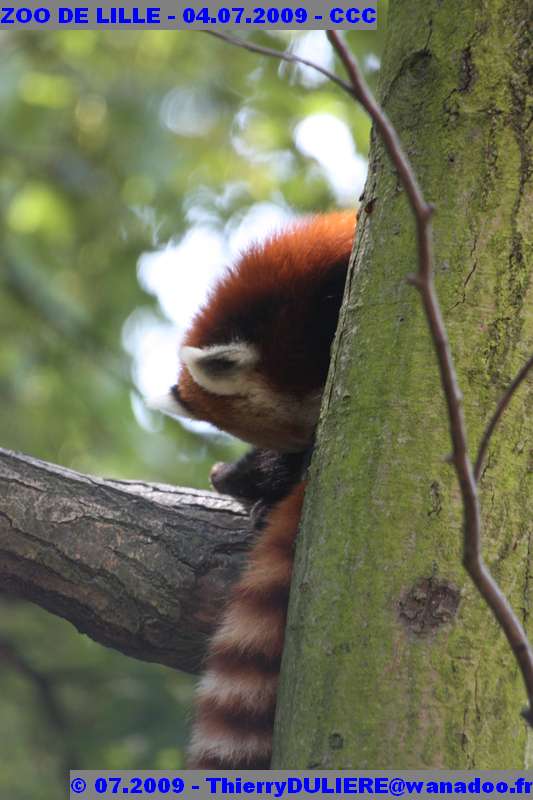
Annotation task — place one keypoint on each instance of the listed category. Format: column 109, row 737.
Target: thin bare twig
column 48, row 696
column 283, row 55
column 423, row 281
column 504, row 401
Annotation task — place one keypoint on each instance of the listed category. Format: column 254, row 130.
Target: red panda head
column 255, row 359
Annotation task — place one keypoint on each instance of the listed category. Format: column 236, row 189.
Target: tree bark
column 140, row 567
column 392, row 660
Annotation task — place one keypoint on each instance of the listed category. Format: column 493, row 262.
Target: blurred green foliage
column 93, row 174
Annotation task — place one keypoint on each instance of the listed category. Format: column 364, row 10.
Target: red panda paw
column 216, row 476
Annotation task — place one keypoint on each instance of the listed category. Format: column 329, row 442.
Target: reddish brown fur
column 281, row 301
column 287, row 264
column 219, row 719
column 282, row 291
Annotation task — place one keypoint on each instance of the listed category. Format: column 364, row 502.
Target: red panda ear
column 220, row 368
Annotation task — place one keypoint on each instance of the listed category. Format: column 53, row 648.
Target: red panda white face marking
column 168, row 404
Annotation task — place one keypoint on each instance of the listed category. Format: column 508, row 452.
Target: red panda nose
column 175, row 392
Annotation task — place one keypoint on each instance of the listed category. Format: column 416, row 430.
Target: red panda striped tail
column 236, row 698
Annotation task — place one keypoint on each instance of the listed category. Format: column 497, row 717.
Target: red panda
column 254, row 363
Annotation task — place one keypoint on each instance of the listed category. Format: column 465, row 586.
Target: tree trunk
column 392, row 660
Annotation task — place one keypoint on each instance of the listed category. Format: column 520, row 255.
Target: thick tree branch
column 140, row 567
column 424, row 282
